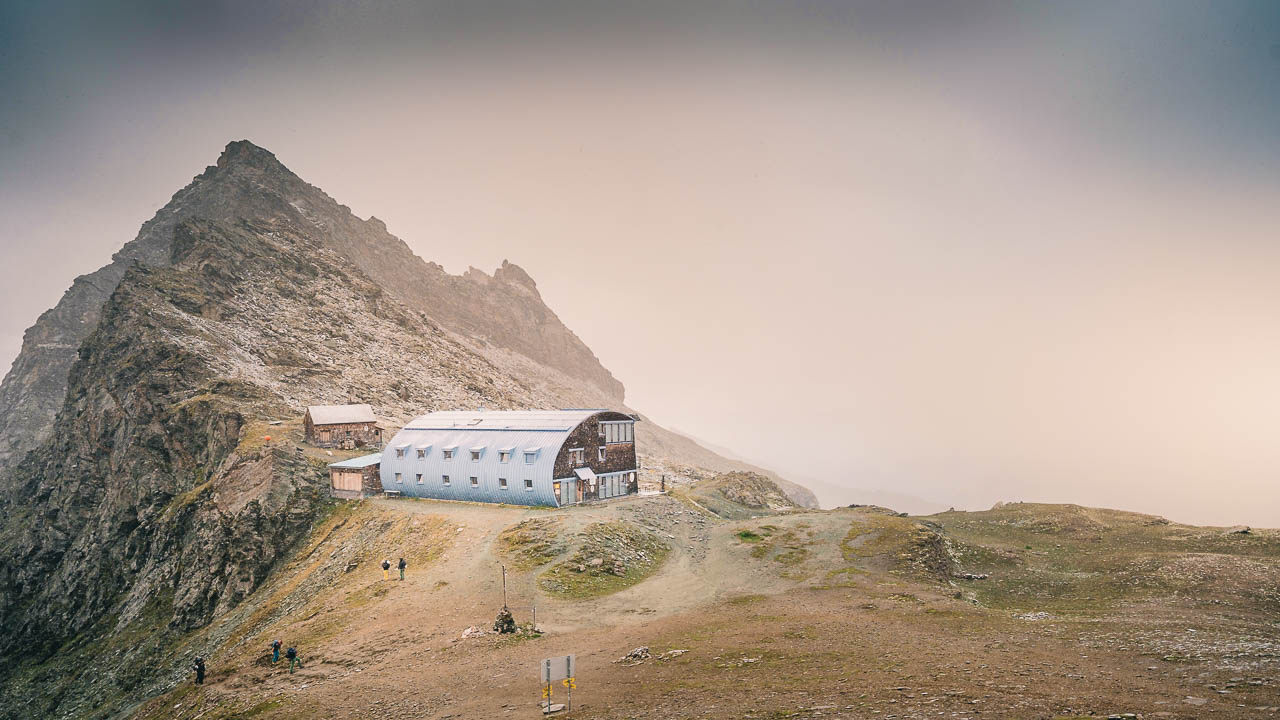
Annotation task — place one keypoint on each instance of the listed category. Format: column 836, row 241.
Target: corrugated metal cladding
column 488, row 434
column 564, row 420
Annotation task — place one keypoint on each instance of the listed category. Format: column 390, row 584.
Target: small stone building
column 342, row 426
column 356, row 478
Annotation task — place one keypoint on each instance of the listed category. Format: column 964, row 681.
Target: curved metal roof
column 562, row 420
column 489, row 433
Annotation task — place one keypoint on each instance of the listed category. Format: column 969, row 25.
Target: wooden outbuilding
column 356, row 478
column 342, row 426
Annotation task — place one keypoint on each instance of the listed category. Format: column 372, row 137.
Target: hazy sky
column 965, row 251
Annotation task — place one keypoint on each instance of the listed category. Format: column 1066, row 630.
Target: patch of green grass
column 783, row 544
column 531, row 543
column 610, row 557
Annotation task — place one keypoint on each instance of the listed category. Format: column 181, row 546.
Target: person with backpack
column 198, row 666
column 275, row 651
column 402, row 566
column 294, row 659
column 386, row 565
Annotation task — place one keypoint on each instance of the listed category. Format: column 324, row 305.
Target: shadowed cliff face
column 503, row 310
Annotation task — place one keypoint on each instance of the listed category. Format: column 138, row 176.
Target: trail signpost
column 553, row 669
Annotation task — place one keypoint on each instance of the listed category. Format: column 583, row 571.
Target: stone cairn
column 506, row 623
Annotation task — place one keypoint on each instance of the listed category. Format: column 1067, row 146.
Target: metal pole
column 504, row 586
column 535, row 617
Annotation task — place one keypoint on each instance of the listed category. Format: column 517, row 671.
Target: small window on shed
column 475, row 481
column 502, row 483
column 445, row 478
column 399, row 478
column 528, row 484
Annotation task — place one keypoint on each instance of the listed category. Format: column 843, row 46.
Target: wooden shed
column 342, row 426
column 356, row 478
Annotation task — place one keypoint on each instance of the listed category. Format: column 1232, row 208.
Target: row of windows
column 578, row 456
column 475, row 481
column 504, row 456
column 617, row 431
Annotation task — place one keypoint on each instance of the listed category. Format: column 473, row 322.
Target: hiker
column 294, row 659
column 402, row 566
column 386, row 565
column 198, row 666
column 275, row 651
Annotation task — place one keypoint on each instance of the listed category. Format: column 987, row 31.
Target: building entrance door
column 555, row 487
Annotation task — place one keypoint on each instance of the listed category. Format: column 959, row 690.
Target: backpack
column 291, row 653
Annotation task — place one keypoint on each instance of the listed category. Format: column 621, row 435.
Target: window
column 399, row 452
column 577, row 456
column 422, row 452
column 530, row 457
column 419, row 478
column 446, row 480
column 618, row 431
column 528, row 484
column 475, row 455
column 399, row 478
column 504, row 456
column 502, row 483
column 600, row 453
column 448, row 454
column 475, row 481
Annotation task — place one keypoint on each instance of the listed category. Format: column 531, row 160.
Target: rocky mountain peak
column 512, row 273
column 249, row 182
column 245, row 153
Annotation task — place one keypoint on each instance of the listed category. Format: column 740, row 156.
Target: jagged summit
column 246, row 153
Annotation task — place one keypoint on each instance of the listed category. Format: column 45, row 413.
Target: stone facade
column 589, row 438
column 347, row 436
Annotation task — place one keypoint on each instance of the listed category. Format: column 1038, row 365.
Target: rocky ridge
column 504, row 310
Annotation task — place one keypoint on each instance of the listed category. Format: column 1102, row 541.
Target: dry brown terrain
column 847, row 613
